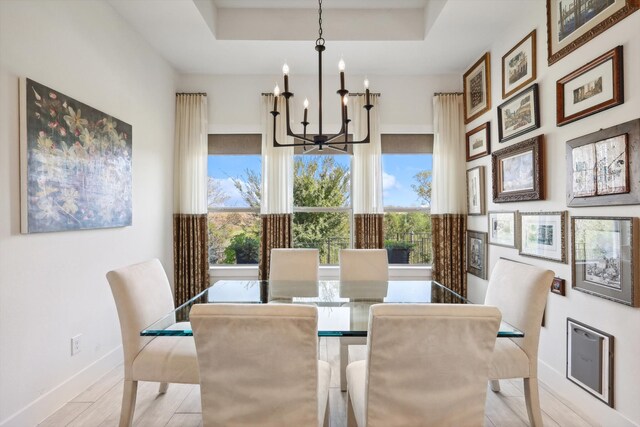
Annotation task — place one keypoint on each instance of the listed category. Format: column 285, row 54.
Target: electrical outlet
column 75, row 344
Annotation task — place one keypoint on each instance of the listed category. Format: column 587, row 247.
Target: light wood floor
column 99, row 405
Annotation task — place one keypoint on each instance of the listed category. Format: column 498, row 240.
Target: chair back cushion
column 258, row 364
column 429, row 364
column 143, row 295
column 520, row 292
column 364, row 265
column 294, row 264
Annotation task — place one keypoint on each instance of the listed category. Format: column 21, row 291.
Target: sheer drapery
column 276, row 206
column 448, row 201
column 190, row 260
column 366, row 175
column 449, row 161
column 277, row 162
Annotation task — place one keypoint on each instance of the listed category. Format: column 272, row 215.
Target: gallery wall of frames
column 552, row 114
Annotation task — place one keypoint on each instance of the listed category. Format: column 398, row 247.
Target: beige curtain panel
column 369, row 231
column 448, row 202
column 190, row 246
column 275, row 233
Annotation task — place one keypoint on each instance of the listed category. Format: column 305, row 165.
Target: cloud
column 389, row 181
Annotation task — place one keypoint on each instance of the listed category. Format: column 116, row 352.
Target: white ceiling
column 375, row 37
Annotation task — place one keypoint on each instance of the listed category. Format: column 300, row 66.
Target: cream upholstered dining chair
column 359, row 265
column 520, row 292
column 259, row 365
column 426, row 365
column 143, row 295
column 294, row 264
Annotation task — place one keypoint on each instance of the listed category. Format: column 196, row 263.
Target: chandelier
column 337, row 141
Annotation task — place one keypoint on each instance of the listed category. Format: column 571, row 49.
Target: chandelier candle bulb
column 276, row 93
column 306, row 109
column 345, row 100
column 285, row 71
column 366, row 88
column 341, row 67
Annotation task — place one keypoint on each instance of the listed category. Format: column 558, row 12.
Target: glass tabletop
column 343, row 307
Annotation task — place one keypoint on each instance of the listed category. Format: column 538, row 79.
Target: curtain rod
column 191, row 93
column 447, row 93
column 351, row 94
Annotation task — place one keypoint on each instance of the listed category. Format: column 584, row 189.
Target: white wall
column 621, row 321
column 405, row 105
column 52, row 285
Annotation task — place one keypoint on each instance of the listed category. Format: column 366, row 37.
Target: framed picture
column 477, row 89
column 557, row 286
column 475, row 191
column 503, row 228
column 519, row 114
column 75, row 163
column 477, row 253
column 604, row 167
column 592, row 88
column 516, row 172
column 519, row 65
column 590, row 360
column 542, row 235
column 478, row 142
column 604, row 251
column 571, row 23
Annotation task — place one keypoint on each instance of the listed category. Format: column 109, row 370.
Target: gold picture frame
column 477, row 88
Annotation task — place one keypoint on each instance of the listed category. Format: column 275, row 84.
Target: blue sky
column 398, row 172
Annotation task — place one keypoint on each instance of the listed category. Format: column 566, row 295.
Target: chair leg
column 128, row 403
column 495, row 385
column 532, row 400
column 163, row 388
column 351, row 416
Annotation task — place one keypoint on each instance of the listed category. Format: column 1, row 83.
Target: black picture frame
column 531, row 119
column 477, row 253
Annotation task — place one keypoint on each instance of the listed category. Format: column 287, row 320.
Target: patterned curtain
column 191, row 261
column 275, row 233
column 369, row 231
column 448, row 234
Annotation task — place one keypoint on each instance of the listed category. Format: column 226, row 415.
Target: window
column 234, row 178
column 407, row 198
column 322, row 204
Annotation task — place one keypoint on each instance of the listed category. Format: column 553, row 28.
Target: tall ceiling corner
column 209, row 12
column 432, row 11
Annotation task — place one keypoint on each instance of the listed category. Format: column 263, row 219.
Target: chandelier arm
column 365, row 140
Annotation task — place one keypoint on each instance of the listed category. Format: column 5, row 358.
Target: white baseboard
column 579, row 400
column 45, row 405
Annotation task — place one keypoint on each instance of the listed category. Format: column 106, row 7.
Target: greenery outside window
column 322, row 204
column 407, row 199
column 234, row 208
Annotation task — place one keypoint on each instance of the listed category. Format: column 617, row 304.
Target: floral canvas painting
column 75, row 164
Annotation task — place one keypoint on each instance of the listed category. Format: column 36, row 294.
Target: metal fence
column 419, row 245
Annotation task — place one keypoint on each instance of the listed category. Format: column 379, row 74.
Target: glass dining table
column 343, row 307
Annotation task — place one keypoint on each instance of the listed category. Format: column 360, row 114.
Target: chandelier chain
column 320, row 39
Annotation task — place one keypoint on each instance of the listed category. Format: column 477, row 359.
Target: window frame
column 327, row 209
